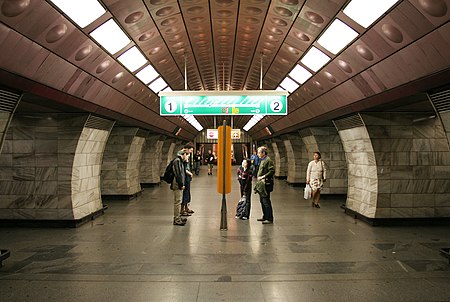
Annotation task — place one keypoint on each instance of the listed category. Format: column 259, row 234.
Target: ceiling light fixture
column 252, row 122
column 157, row 85
column 337, row 36
column 110, row 36
column 289, row 85
column 366, row 12
column 82, row 12
column 132, row 59
column 147, row 74
column 314, row 59
column 300, row 74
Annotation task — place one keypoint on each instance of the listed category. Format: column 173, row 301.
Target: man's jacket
column 180, row 174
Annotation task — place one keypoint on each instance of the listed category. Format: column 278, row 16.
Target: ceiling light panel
column 300, row 74
column 157, row 85
column 366, row 12
column 337, row 36
column 314, row 59
column 132, row 59
column 110, row 36
column 82, row 12
column 289, row 85
column 147, row 74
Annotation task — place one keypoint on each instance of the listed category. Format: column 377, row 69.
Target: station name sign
column 246, row 102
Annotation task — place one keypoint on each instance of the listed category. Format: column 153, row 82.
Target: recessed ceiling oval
column 103, row 66
column 195, row 10
column 279, row 22
column 169, row 21
column 345, row 66
column 330, row 77
column 225, row 13
column 129, row 86
column 117, row 77
column 165, row 11
column 134, row 17
column 435, row 8
column 56, row 33
column 14, row 8
column 392, row 33
column 146, row 36
column 364, row 52
column 282, row 11
column 314, row 18
column 83, row 53
column 253, row 10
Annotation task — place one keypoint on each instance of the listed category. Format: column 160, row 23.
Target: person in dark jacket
column 178, row 185
column 265, row 174
column 245, row 174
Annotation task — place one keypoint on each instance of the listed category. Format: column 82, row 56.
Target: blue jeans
column 266, row 206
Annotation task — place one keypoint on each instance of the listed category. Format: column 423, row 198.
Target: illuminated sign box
column 214, row 134
column 247, row 102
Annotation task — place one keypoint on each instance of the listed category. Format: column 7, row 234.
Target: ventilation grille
column 8, row 100
column 353, row 121
column 96, row 122
column 305, row 132
column 142, row 133
column 441, row 100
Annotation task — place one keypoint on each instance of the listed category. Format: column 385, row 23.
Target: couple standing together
column 263, row 185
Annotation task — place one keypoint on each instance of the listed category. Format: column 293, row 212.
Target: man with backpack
column 178, row 185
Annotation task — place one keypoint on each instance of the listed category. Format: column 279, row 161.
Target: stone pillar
column 279, row 158
column 169, row 151
column 50, row 168
column 326, row 140
column 151, row 159
column 8, row 104
column 120, row 169
column 399, row 164
column 294, row 146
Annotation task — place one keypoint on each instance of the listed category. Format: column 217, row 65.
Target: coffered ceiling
column 224, row 45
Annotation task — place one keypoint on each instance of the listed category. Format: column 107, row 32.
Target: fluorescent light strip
column 300, row 74
column 157, row 85
column 366, row 12
column 289, row 85
column 314, row 59
column 193, row 121
column 337, row 36
column 110, row 36
column 252, row 122
column 82, row 12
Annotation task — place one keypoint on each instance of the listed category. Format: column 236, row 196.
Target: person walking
column 177, row 186
column 245, row 175
column 316, row 175
column 210, row 158
column 264, row 185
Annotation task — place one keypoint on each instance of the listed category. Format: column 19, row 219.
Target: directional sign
column 248, row 102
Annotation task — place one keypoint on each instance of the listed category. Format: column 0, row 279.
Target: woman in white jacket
column 316, row 175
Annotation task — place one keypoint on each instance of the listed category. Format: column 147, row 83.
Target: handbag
column 307, row 193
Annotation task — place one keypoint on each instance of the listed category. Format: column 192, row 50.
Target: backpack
column 168, row 173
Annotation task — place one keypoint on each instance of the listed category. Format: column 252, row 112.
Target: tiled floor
column 134, row 253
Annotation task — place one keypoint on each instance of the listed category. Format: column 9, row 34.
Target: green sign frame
column 247, row 102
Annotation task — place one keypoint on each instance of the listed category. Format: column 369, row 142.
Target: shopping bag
column 307, row 192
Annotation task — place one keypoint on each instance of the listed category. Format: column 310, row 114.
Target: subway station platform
column 134, row 253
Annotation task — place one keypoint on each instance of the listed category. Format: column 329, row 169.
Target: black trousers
column 266, row 206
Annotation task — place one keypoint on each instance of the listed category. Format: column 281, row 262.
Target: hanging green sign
column 247, row 102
